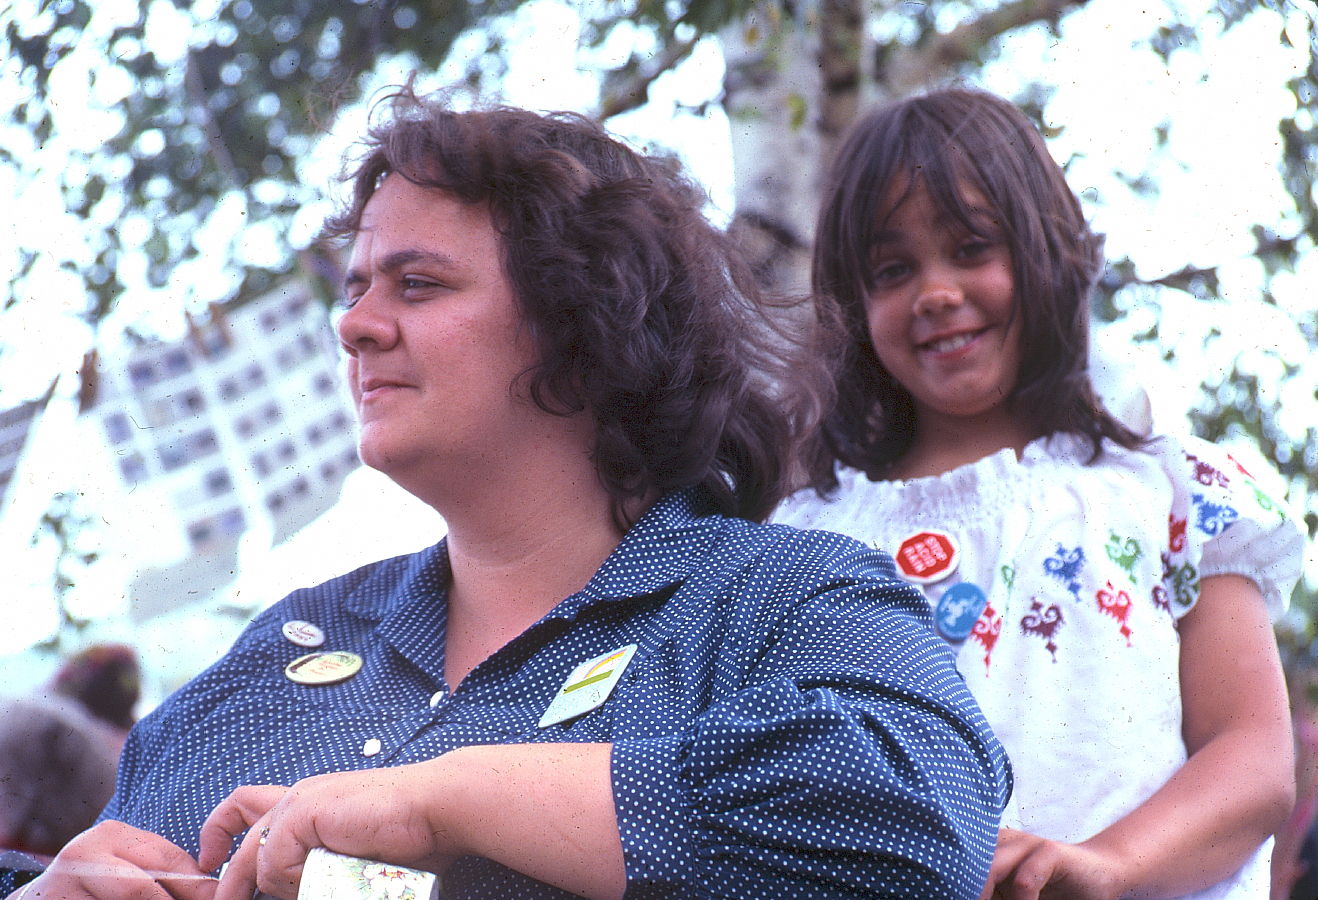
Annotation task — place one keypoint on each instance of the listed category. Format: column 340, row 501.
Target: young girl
column 1108, row 593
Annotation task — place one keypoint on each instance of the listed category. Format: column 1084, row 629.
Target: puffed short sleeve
column 1225, row 522
column 850, row 761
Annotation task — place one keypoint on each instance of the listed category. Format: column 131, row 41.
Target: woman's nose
column 367, row 324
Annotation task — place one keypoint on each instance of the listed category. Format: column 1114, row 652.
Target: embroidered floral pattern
column 1043, row 621
column 988, row 627
column 1065, row 566
column 1175, row 535
column 1213, row 518
column 1115, row 603
column 1161, row 600
column 1124, row 552
column 1206, row 474
column 1182, row 581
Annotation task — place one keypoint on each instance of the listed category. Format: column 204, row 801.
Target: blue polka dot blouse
column 788, row 726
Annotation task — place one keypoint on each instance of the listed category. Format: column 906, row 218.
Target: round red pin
column 927, row 556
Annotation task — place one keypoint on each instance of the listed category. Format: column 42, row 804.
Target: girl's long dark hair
column 948, row 141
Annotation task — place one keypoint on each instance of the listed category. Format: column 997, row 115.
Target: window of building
column 232, row 522
column 218, row 482
column 172, row 456
column 177, row 362
column 287, row 358
column 141, row 375
column 133, row 468
column 118, row 428
column 214, row 342
column 203, row 443
column 323, row 383
column 200, row 532
column 192, row 401
column 159, row 412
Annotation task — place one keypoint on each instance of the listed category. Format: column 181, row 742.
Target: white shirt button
column 436, row 698
column 371, row 747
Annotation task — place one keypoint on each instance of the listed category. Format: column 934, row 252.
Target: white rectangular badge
column 588, row 686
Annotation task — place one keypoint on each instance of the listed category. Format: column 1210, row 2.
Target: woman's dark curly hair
column 644, row 313
column 949, row 141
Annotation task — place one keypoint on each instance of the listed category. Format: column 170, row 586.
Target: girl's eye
column 889, row 272
column 971, row 249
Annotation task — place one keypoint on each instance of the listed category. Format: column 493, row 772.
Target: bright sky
column 1220, row 177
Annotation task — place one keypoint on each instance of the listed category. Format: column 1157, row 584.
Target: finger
column 1031, row 874
column 280, row 860
column 238, row 878
column 235, row 814
column 115, row 860
column 1013, row 847
column 189, row 888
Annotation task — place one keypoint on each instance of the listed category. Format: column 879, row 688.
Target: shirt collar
column 656, row 554
column 659, row 551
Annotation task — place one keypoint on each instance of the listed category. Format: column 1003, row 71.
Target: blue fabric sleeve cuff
column 654, row 815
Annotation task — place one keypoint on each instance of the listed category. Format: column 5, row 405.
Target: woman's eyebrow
column 397, row 260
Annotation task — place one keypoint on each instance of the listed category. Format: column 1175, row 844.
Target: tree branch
column 913, row 68
column 628, row 88
column 201, row 107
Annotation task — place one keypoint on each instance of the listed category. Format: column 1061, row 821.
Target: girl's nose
column 937, row 295
column 367, row 324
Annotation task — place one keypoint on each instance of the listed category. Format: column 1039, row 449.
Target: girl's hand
column 372, row 814
column 114, row 861
column 1026, row 867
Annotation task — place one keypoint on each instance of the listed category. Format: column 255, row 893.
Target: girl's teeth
column 952, row 343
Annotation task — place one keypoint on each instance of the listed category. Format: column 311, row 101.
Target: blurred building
column 238, row 434
column 16, row 426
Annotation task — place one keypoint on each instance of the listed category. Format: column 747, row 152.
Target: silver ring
column 265, row 835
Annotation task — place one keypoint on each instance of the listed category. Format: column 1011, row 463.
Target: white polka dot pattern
column 789, row 726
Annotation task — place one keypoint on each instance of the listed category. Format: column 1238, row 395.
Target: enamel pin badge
column 323, row 668
column 958, row 610
column 927, row 556
column 588, row 686
column 304, row 634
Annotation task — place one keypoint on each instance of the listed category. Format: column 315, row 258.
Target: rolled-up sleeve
column 852, row 762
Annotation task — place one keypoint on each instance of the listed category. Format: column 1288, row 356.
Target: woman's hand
column 114, row 861
column 543, row 809
column 373, row 814
column 1026, row 867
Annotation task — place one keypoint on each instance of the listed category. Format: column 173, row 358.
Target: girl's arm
column 1233, row 792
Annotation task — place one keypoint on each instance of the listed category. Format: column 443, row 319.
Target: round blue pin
column 958, row 610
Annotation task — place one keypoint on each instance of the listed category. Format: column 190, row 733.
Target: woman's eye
column 416, row 285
